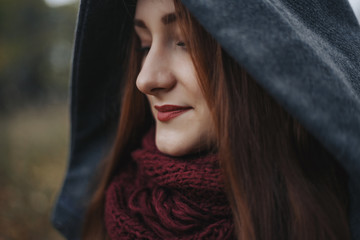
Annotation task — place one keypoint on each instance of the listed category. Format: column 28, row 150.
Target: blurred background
column 36, row 40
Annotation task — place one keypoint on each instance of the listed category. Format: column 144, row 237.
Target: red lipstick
column 168, row 112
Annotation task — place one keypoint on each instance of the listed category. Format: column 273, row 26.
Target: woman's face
column 169, row 81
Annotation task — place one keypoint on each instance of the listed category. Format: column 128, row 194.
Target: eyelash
column 181, row 44
column 146, row 49
column 143, row 49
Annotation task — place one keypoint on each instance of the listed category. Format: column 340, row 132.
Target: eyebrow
column 166, row 19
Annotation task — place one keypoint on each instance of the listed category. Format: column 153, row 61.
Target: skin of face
column 168, row 78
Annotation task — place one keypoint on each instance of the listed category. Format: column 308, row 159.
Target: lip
column 168, row 112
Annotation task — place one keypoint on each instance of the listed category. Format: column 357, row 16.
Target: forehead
column 153, row 10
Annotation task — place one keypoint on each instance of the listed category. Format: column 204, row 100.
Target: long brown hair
column 281, row 183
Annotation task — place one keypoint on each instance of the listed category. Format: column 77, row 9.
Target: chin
column 172, row 149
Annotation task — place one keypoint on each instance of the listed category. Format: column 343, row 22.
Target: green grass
column 33, row 153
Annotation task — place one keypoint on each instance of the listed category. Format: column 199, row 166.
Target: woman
column 275, row 181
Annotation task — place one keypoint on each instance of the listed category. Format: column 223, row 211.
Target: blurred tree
column 35, row 52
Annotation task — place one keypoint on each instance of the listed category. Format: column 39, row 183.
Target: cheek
column 189, row 78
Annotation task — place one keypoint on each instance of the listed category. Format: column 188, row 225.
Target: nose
column 156, row 75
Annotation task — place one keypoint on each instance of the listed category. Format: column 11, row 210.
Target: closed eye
column 144, row 49
column 180, row 44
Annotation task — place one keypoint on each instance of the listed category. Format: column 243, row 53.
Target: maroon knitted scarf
column 168, row 198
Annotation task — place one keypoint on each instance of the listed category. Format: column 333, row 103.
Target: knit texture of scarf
column 168, row 198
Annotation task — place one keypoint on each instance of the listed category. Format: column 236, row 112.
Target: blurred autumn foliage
column 35, row 57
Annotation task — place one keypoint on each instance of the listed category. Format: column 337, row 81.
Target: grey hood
column 305, row 54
